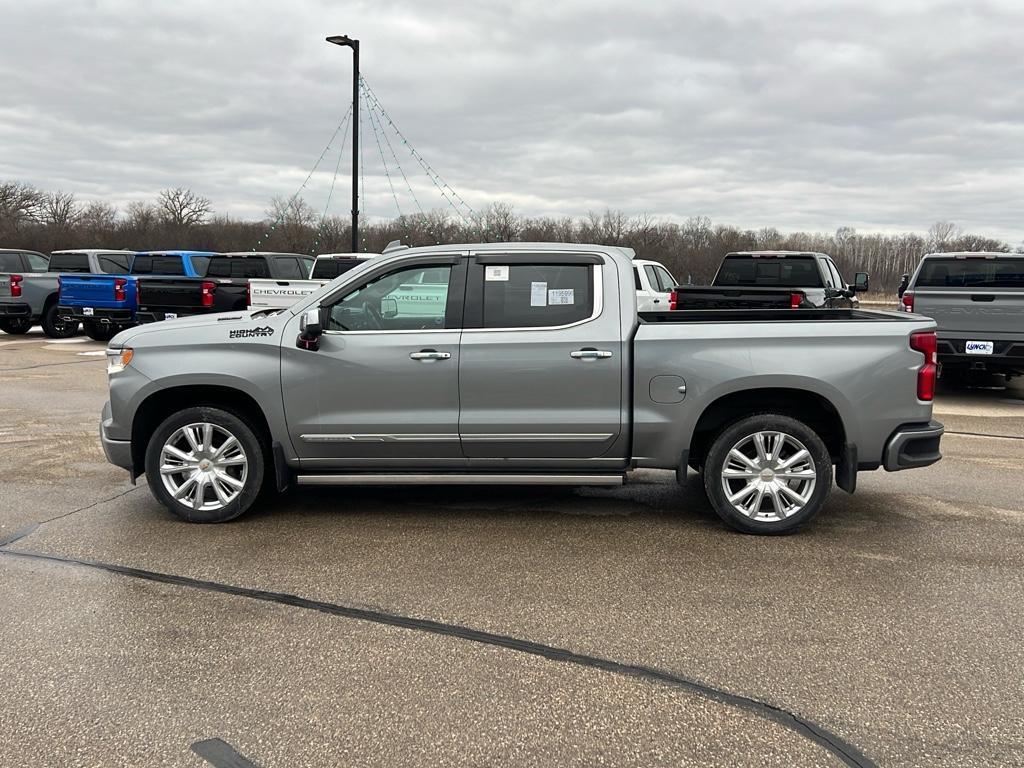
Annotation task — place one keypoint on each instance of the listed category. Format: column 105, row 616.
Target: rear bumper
column 155, row 316
column 912, row 446
column 101, row 315
column 15, row 309
column 118, row 452
column 1006, row 353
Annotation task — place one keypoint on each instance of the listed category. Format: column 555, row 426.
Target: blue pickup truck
column 106, row 304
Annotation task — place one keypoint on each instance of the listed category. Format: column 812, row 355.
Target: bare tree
column 19, row 206
column 291, row 224
column 941, row 233
column 60, row 210
column 182, row 208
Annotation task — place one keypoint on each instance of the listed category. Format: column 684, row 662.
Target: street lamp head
column 344, row 40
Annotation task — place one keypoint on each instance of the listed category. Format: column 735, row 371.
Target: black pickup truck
column 224, row 287
column 773, row 280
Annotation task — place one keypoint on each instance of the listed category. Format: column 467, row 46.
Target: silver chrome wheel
column 203, row 466
column 768, row 476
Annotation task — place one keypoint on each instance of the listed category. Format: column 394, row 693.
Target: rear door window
column 37, row 262
column 70, row 263
column 538, row 295
column 660, row 279
column 971, row 273
column 158, row 265
column 781, row 271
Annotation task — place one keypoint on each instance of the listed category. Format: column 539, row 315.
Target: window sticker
column 561, row 296
column 538, row 294
column 495, row 273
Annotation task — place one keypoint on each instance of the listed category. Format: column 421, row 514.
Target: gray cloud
column 794, row 114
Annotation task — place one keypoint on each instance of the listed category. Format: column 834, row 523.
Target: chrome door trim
column 598, row 289
column 498, row 437
column 412, row 437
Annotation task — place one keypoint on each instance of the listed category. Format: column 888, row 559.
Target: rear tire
column 205, row 465
column 16, row 326
column 54, row 327
column 767, row 474
column 98, row 332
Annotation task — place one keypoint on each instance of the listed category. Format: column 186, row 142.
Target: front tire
column 767, row 474
column 205, row 465
column 16, row 326
column 56, row 328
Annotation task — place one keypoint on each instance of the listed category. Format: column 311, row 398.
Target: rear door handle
column 430, row 354
column 590, row 354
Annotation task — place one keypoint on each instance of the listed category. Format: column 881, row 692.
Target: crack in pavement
column 48, row 365
column 31, row 528
column 831, row 742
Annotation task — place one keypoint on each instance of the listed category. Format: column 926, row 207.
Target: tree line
column 692, row 249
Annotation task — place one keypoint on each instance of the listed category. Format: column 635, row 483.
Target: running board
column 458, row 479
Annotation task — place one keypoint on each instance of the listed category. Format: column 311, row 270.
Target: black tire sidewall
column 251, row 444
column 761, row 422
column 98, row 332
column 52, row 324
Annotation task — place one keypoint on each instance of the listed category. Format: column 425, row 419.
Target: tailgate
column 88, row 291
column 982, row 311
column 177, row 293
column 714, row 297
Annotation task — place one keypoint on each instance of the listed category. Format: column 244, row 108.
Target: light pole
column 348, row 42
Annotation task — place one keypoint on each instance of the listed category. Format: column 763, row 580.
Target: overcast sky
column 798, row 114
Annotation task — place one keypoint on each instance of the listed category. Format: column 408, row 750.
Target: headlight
column 117, row 359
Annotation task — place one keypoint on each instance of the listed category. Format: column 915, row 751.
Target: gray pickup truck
column 977, row 299
column 30, row 293
column 535, row 369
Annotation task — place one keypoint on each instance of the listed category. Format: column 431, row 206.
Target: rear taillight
column 673, row 300
column 206, row 291
column 908, row 301
column 927, row 343
column 16, row 285
column 795, row 300
column 119, row 284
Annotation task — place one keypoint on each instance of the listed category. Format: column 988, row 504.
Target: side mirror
column 388, row 307
column 860, row 282
column 311, row 328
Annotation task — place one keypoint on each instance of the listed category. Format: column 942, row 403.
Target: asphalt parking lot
column 489, row 626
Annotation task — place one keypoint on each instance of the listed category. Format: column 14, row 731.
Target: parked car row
column 105, row 291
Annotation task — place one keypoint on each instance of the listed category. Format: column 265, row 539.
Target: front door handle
column 590, row 354
column 430, row 354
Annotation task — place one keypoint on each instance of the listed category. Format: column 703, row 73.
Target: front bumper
column 101, row 315
column 118, row 452
column 912, row 446
column 15, row 309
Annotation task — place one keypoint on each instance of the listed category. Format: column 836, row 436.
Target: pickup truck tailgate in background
column 978, row 311
column 180, row 292
column 93, row 290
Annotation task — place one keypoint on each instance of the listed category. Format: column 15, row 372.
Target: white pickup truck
column 278, row 294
